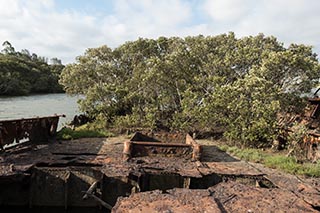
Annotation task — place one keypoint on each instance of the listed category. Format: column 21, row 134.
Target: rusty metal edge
column 33, row 118
column 147, row 143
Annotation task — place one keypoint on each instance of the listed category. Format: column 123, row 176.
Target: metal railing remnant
column 36, row 130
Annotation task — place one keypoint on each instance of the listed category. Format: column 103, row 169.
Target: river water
column 39, row 105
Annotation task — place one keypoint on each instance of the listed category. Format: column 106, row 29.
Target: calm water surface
column 39, row 105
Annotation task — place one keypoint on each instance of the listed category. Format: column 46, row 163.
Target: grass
column 85, row 131
column 275, row 161
column 252, row 155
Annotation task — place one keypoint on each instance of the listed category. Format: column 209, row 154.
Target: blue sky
column 65, row 28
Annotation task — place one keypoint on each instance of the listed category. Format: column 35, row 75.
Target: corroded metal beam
column 35, row 130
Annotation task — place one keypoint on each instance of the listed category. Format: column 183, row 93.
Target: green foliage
column 288, row 164
column 195, row 84
column 85, row 131
column 22, row 73
column 69, row 134
column 297, row 133
column 311, row 169
column 276, row 161
column 253, row 111
column 248, row 154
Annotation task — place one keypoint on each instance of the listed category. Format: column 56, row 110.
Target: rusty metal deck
column 223, row 197
column 61, row 173
column 165, row 144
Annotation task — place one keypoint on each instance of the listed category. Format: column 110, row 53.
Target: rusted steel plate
column 230, row 168
column 223, row 197
column 236, row 197
column 164, row 137
column 104, row 156
column 36, row 130
column 164, row 144
column 144, row 145
column 190, row 173
column 173, row 201
column 303, row 188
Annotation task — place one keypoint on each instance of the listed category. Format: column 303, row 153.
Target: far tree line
column 196, row 83
column 23, row 73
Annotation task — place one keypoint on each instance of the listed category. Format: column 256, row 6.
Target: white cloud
column 9, row 9
column 160, row 13
column 291, row 21
column 35, row 25
column 151, row 18
column 227, row 10
column 38, row 26
column 41, row 27
column 295, row 21
column 39, row 4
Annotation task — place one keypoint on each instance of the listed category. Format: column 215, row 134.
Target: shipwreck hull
column 89, row 175
column 35, row 130
column 166, row 144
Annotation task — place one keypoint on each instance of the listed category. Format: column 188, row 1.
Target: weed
column 276, row 161
column 85, row 131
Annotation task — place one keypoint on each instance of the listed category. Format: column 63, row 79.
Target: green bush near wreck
column 84, row 131
column 196, row 84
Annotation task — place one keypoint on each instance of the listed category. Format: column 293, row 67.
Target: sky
column 66, row 28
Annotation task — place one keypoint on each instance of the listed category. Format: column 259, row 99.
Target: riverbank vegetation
column 238, row 86
column 23, row 73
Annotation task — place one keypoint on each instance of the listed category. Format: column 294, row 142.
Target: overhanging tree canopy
column 195, row 83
